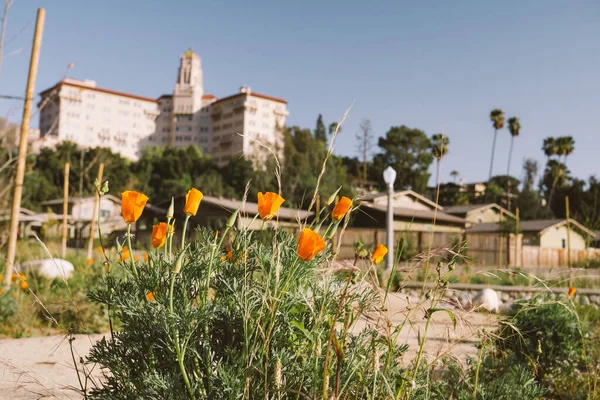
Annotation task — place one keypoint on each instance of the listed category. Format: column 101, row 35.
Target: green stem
column 134, row 268
column 176, row 340
column 330, row 339
column 187, row 217
column 167, row 239
column 477, row 368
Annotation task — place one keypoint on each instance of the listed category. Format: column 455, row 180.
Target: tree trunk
column 512, row 139
column 509, row 183
column 491, row 163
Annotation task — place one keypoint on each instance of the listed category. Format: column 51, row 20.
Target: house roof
column 262, row 96
column 76, row 200
column 408, row 192
column 465, row 209
column 533, row 226
column 204, row 96
column 249, row 207
column 410, row 213
column 75, row 83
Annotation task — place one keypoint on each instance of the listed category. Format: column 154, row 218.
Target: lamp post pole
column 389, row 176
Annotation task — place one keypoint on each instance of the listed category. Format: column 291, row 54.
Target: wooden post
column 568, row 232
column 517, row 238
column 65, row 210
column 501, row 234
column 95, row 214
column 20, row 174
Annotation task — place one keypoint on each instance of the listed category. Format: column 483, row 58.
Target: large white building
column 230, row 127
column 83, row 113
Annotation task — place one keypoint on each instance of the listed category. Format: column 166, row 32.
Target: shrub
column 258, row 321
column 546, row 335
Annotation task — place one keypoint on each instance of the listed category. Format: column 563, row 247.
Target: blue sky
column 434, row 65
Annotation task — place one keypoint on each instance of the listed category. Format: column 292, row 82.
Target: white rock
column 49, row 267
column 488, row 299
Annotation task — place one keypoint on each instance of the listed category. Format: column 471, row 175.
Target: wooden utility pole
column 568, row 232
column 517, row 220
column 18, row 191
column 95, row 214
column 500, row 239
column 65, row 210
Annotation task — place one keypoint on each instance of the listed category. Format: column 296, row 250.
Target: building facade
column 81, row 112
column 246, row 123
column 234, row 126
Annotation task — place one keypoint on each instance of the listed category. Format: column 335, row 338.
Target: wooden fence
column 509, row 251
column 414, row 242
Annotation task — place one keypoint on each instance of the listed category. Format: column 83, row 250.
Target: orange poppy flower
column 341, row 208
column 125, row 254
column 150, row 296
column 159, row 235
column 132, row 205
column 192, row 201
column 23, row 285
column 145, row 256
column 572, row 291
column 14, row 277
column 100, row 249
column 379, row 253
column 227, row 257
column 309, row 244
column 90, row 261
column 268, row 204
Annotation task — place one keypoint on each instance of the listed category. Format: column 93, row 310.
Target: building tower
column 187, row 96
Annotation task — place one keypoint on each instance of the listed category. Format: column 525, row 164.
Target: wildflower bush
column 245, row 314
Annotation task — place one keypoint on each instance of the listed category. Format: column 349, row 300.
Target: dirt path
column 42, row 367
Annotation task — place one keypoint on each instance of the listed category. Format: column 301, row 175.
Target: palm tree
column 566, row 145
column 550, row 147
column 454, row 174
column 561, row 146
column 497, row 118
column 514, row 127
column 439, row 148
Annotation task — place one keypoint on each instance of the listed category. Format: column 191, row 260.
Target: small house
column 544, row 233
column 480, row 213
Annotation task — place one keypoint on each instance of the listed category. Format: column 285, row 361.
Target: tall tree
column 566, row 146
column 333, row 126
column 454, row 174
column 550, row 147
column 408, row 151
column 561, row 146
column 365, row 144
column 514, row 127
column 556, row 175
column 321, row 130
column 497, row 118
column 530, row 170
column 439, row 148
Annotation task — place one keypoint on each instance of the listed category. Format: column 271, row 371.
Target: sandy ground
column 42, row 367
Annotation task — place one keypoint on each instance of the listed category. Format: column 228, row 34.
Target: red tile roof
column 262, row 96
column 96, row 89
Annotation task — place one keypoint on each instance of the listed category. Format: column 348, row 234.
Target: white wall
column 553, row 238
